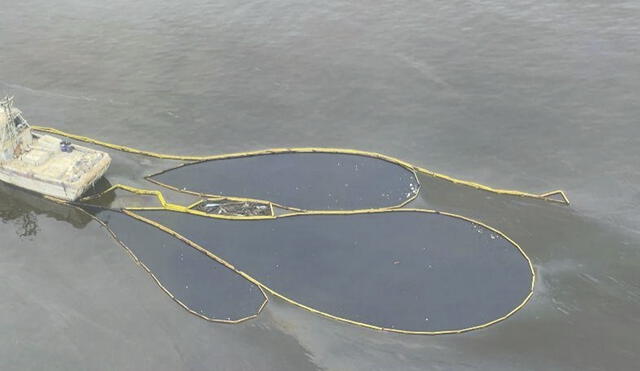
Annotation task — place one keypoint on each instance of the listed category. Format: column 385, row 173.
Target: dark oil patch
column 404, row 270
column 309, row 181
column 198, row 282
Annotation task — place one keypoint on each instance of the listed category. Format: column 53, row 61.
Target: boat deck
column 48, row 170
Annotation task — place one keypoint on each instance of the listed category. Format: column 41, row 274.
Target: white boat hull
column 62, row 175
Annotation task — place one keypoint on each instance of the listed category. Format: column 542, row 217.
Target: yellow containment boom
column 556, row 196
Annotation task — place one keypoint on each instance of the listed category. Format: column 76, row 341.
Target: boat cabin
column 15, row 132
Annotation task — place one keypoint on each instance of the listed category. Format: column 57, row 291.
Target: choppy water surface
column 531, row 95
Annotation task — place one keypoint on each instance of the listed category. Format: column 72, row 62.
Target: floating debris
column 235, row 208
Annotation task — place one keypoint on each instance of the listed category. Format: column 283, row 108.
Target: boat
column 43, row 163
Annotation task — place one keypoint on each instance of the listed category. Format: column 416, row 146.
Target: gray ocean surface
column 528, row 95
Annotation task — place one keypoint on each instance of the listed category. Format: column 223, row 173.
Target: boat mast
column 9, row 129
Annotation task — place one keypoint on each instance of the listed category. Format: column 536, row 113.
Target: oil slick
column 408, row 271
column 347, row 250
column 299, row 180
column 194, row 281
